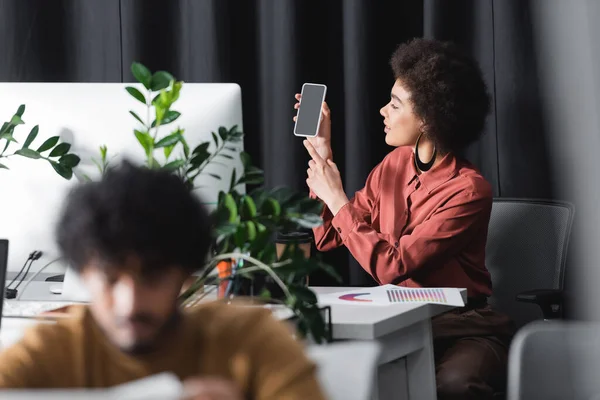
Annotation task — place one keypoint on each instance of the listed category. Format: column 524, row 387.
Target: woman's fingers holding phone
column 325, row 110
column 297, row 96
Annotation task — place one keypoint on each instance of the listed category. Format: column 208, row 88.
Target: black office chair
column 526, row 255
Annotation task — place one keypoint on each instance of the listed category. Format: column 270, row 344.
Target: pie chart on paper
column 356, row 297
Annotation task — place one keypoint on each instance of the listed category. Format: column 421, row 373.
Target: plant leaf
column 223, row 133
column 142, row 74
column 225, row 156
column 69, row 160
column 303, row 294
column 248, row 209
column 199, row 155
column 215, row 139
column 265, row 294
column 169, row 140
column 283, row 194
column 5, row 145
column 176, row 90
column 240, row 237
column 2, row 166
column 63, row 171
column 251, row 180
column 48, row 144
column 16, row 120
column 308, row 221
column 225, row 229
column 168, row 150
column 230, row 205
column 20, row 110
column 8, row 136
column 307, row 205
column 235, row 132
column 136, row 94
column 215, row 176
column 186, row 147
column 246, row 161
column 271, row 207
column 250, row 230
column 160, row 80
column 154, row 163
column 175, row 164
column 145, row 140
column 60, row 150
column 168, row 117
column 201, row 148
column 31, row 137
column 137, row 117
column 232, row 182
column 28, row 153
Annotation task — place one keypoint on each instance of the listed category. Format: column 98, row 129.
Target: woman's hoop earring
column 421, row 166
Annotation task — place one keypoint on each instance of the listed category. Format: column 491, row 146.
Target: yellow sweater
column 246, row 345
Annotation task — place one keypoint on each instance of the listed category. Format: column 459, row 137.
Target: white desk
column 406, row 368
column 40, row 291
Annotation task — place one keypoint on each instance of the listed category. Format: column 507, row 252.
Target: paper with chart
column 390, row 294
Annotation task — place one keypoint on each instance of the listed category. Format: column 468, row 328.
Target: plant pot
column 302, row 239
column 304, row 242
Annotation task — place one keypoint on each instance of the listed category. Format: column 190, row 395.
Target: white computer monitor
column 89, row 115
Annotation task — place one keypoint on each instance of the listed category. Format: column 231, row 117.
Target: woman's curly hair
column 447, row 91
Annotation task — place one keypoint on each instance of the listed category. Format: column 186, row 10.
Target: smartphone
column 308, row 118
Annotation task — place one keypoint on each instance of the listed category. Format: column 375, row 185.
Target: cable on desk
column 11, row 293
column 30, row 258
column 36, row 257
column 36, row 274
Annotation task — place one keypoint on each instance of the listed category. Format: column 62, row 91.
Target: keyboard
column 13, row 308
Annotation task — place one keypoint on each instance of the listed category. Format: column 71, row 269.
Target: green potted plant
column 53, row 151
column 243, row 224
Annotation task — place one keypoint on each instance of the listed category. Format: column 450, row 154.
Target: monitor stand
column 73, row 288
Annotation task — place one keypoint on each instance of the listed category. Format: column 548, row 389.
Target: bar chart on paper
column 434, row 295
column 391, row 294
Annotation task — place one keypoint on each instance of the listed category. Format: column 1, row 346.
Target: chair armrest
column 549, row 300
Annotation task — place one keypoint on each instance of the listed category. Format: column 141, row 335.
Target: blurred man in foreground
column 135, row 237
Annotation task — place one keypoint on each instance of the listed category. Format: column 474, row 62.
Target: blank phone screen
column 309, row 113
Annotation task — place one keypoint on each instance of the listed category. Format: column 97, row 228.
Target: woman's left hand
column 324, row 180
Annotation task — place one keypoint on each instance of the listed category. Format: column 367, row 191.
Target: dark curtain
column 270, row 47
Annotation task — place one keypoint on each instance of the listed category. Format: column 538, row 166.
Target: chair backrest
column 346, row 370
column 555, row 360
column 526, row 249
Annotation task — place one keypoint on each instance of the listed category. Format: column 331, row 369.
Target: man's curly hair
column 134, row 211
column 447, row 91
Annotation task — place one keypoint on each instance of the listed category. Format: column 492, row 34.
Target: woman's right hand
column 321, row 142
